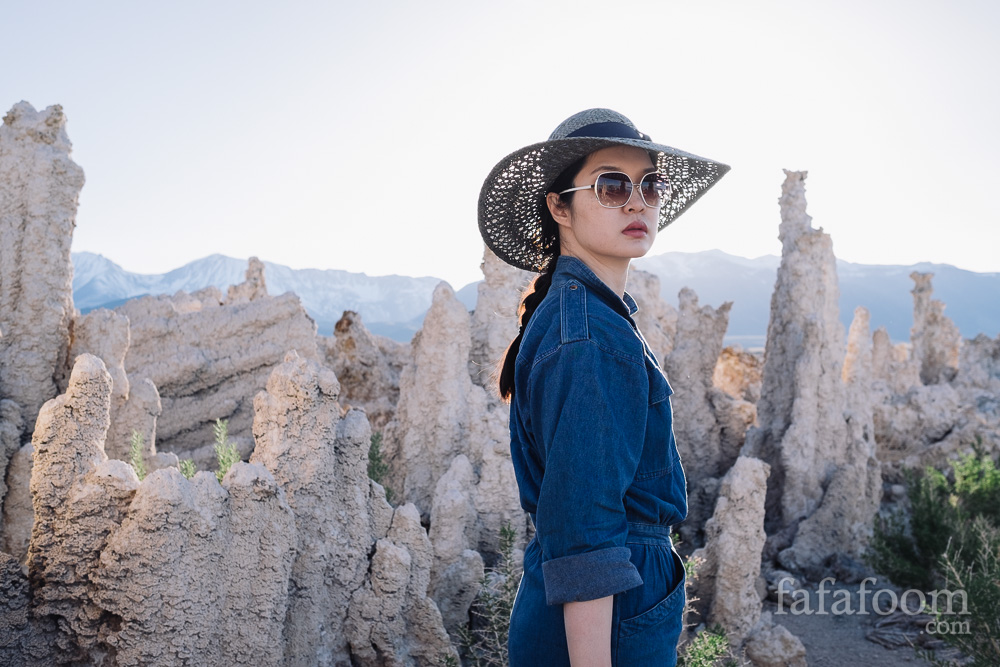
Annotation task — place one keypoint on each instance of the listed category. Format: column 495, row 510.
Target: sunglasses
column 614, row 189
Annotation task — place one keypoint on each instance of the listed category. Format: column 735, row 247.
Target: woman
column 590, row 421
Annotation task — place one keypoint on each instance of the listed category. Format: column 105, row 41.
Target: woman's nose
column 635, row 202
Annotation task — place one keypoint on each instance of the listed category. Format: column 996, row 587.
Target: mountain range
column 394, row 306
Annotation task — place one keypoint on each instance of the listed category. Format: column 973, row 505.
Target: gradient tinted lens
column 613, row 189
column 654, row 188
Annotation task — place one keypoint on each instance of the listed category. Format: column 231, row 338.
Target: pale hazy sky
column 356, row 135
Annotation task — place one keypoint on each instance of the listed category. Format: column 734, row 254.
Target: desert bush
column 709, row 648
column 225, row 451
column 950, row 539
column 187, row 468
column 377, row 467
column 974, row 568
column 905, row 547
column 484, row 642
column 135, row 455
column 977, row 484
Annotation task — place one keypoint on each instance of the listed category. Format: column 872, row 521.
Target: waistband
column 654, row 532
column 648, row 533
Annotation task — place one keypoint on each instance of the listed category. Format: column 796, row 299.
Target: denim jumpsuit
column 598, row 471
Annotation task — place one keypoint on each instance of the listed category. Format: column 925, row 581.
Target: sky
column 356, row 136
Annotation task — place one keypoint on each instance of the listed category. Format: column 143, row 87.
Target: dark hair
column 539, row 287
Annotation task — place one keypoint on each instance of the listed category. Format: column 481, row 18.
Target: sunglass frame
column 632, row 188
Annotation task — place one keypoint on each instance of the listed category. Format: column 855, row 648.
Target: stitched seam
column 643, row 476
column 619, row 353
column 567, row 314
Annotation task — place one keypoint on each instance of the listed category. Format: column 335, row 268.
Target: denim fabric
column 597, row 469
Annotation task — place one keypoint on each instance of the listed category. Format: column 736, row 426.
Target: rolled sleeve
column 589, row 407
column 589, row 576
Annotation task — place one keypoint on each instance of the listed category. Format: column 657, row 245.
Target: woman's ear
column 558, row 209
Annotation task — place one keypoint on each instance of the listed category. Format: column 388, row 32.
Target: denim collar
column 568, row 267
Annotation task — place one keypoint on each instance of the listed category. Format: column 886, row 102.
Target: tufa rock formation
column 935, row 338
column 802, row 430
column 739, row 374
column 935, row 398
column 438, row 403
column 368, row 367
column 10, row 442
column 207, row 359
column 804, row 435
column 773, row 645
column 104, row 334
column 725, row 591
column 391, row 620
column 343, row 609
column 709, row 424
column 843, row 521
column 15, row 607
column 656, row 319
column 39, row 190
column 79, row 498
column 254, row 286
column 198, row 571
column 18, row 514
column 495, row 319
column 295, row 559
column 891, row 365
column 297, row 421
column 449, row 453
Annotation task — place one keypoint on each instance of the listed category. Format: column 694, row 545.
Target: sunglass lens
column 613, row 189
column 653, row 188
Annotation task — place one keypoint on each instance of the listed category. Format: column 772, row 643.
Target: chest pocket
column 659, row 453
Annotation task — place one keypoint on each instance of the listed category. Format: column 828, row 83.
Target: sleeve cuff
column 589, row 576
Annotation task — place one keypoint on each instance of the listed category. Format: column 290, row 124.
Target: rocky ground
column 858, row 639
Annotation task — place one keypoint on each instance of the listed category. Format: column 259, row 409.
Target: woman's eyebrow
column 608, row 167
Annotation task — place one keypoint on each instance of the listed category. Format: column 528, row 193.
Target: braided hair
column 539, row 287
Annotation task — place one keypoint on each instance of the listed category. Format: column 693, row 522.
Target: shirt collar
column 568, row 268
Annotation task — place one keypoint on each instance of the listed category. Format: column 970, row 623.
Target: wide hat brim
column 512, row 197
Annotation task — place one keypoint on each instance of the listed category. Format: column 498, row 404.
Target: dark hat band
column 609, row 130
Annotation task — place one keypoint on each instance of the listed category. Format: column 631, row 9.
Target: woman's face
column 608, row 236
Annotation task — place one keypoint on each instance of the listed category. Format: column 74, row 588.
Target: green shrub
column 187, row 468
column 484, row 643
column 135, row 455
column 975, row 569
column 709, row 648
column 977, row 484
column 377, row 467
column 906, row 549
column 951, row 540
column 225, row 451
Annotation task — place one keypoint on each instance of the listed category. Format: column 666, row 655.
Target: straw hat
column 513, row 195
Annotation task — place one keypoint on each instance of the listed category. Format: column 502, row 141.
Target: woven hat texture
column 513, row 195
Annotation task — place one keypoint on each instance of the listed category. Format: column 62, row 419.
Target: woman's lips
column 636, row 229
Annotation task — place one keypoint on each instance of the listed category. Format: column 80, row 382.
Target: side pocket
column 651, row 637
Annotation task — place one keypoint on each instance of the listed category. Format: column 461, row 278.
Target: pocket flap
column 659, row 388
